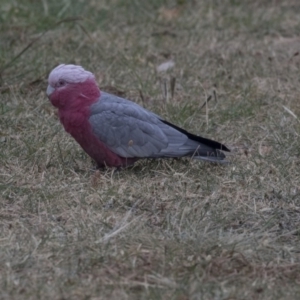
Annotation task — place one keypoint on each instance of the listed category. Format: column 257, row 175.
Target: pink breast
column 78, row 126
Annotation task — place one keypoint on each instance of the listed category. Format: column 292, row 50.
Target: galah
column 116, row 132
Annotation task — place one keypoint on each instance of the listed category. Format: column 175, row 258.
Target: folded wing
column 132, row 131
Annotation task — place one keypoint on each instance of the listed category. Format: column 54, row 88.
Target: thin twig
column 206, row 101
column 172, row 86
column 36, row 39
column 215, row 96
column 142, row 96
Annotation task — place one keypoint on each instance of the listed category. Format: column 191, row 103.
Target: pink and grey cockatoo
column 116, row 132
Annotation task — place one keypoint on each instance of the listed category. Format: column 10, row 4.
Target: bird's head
column 72, row 87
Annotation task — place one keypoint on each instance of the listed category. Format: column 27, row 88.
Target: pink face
column 71, row 87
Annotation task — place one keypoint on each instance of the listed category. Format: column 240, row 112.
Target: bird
column 116, row 132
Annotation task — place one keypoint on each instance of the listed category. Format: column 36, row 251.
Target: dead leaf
column 169, row 14
column 165, row 66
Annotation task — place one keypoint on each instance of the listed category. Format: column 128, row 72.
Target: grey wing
column 132, row 131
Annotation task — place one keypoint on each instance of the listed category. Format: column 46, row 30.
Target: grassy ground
column 172, row 229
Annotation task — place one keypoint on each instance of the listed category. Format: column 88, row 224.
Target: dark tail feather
column 210, row 150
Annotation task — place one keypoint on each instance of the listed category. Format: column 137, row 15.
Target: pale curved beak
column 50, row 90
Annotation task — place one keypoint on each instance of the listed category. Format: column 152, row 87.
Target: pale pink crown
column 69, row 73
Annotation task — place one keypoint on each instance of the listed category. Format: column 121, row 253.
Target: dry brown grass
column 173, row 229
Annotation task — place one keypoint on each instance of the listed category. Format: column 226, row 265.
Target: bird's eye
column 61, row 82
